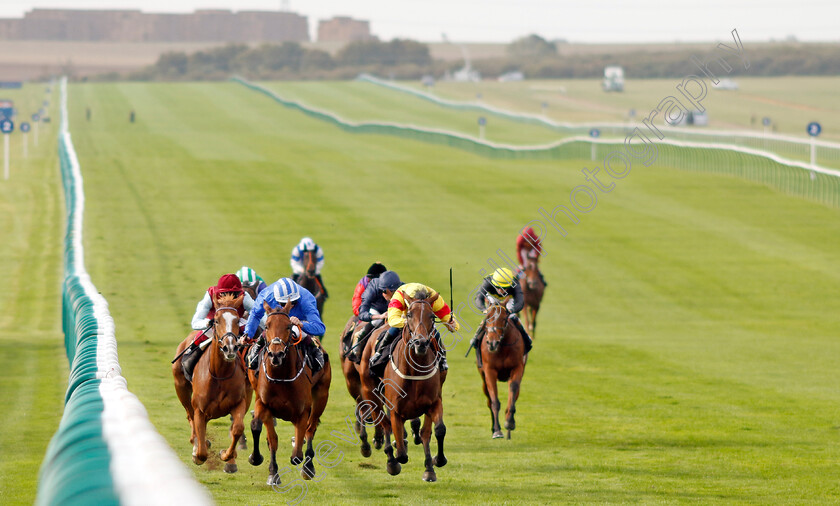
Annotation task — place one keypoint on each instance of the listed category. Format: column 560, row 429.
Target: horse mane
column 229, row 300
column 421, row 294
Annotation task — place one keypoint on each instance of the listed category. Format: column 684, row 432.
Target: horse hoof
column 272, row 480
column 231, row 468
column 255, row 461
column 307, row 473
column 510, row 424
column 197, row 461
column 243, row 443
column 365, row 449
column 377, row 444
column 402, row 459
column 393, row 467
column 429, row 476
column 498, row 435
column 417, row 439
column 439, row 462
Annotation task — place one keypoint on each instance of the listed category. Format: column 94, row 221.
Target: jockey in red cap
column 203, row 317
column 528, row 247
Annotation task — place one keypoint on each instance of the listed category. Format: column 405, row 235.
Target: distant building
column 343, row 29
column 137, row 26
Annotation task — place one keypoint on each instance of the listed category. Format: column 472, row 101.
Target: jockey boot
column 525, row 337
column 442, row 364
column 542, row 279
column 189, row 359
column 380, row 357
column 479, row 335
column 323, row 286
column 314, row 355
column 254, row 353
column 356, row 347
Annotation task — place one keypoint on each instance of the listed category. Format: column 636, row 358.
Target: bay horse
column 220, row 385
column 503, row 359
column 361, row 386
column 287, row 389
column 310, row 281
column 533, row 289
column 412, row 387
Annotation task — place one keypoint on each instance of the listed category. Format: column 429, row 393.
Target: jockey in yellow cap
column 397, row 320
column 501, row 287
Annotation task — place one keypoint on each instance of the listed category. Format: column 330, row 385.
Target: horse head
column 496, row 326
column 278, row 333
column 420, row 322
column 532, row 274
column 309, row 263
column 226, row 324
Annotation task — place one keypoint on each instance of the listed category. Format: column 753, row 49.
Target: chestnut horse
column 412, row 387
column 361, row 385
column 287, row 389
column 310, row 281
column 503, row 359
column 533, row 289
column 220, row 385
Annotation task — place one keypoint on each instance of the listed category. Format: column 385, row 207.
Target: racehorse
column 287, row 389
column 361, row 385
column 412, row 386
column 503, row 359
column 310, row 281
column 533, row 290
column 220, row 384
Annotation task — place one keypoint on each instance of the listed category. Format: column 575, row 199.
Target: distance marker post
column 24, row 128
column 36, row 118
column 482, row 122
column 814, row 130
column 594, row 133
column 7, row 126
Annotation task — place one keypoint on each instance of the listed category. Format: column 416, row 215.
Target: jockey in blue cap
column 304, row 313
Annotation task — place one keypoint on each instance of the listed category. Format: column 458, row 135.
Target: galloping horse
column 220, row 385
column 360, row 385
column 533, row 290
column 412, row 387
column 310, row 281
column 503, row 359
column 287, row 389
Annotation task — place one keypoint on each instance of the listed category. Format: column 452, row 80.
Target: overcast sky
column 504, row 20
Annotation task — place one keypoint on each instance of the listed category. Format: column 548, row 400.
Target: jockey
column 307, row 244
column 397, row 320
column 203, row 318
column 373, row 272
column 374, row 308
column 501, row 287
column 528, row 246
column 304, row 312
column 250, row 279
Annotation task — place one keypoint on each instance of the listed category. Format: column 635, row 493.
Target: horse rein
column 502, row 332
column 411, row 341
column 235, row 341
column 292, row 344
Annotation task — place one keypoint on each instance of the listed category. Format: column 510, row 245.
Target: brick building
column 343, row 29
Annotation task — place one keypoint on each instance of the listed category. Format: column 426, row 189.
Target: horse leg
column 513, row 395
column 300, row 434
column 415, row 429
column 249, row 392
column 256, row 428
column 308, row 471
column 237, row 429
column 367, row 384
column 490, row 378
column 199, row 454
column 393, row 467
column 398, row 427
column 426, row 437
column 271, row 436
column 440, row 431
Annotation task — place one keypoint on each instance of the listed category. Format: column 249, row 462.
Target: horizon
column 646, row 22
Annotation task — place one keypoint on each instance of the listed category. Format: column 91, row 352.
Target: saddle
column 379, row 369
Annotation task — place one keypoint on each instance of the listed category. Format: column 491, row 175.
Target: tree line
column 406, row 59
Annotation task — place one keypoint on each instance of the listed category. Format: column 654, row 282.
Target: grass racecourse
column 686, row 350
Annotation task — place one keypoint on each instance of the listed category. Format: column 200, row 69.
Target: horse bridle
column 503, row 329
column 217, row 338
column 414, row 337
column 285, row 349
